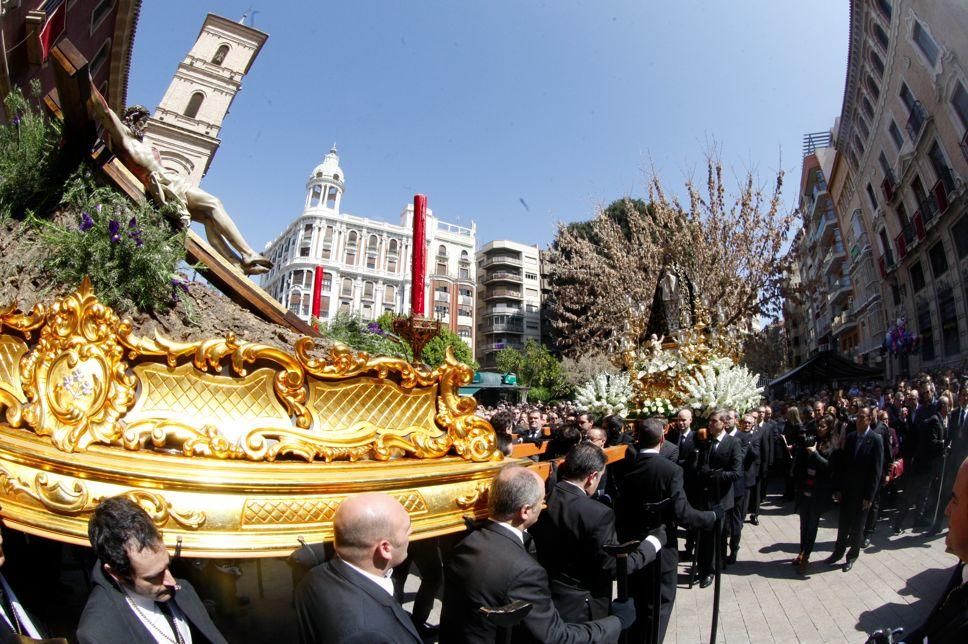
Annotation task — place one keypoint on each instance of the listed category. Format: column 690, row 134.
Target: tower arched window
column 194, row 103
column 220, row 55
column 317, row 192
column 331, row 197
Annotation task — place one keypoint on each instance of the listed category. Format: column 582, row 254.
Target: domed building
column 366, row 262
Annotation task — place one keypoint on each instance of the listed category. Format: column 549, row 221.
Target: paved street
column 894, row 583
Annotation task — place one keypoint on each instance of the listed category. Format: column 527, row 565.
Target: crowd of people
column 620, row 498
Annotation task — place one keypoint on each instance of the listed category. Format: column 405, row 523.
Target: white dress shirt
column 147, row 611
column 384, row 582
column 510, row 528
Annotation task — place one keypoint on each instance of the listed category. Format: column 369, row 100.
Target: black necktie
column 529, row 543
column 170, row 618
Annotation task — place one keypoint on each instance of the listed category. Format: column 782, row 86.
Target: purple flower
column 132, row 223
column 374, row 327
column 87, row 222
column 114, row 228
column 135, row 233
column 180, row 282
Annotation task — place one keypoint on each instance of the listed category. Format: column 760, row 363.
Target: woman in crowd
column 792, row 433
column 815, row 488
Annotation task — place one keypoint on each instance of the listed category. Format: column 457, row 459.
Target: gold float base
column 225, row 508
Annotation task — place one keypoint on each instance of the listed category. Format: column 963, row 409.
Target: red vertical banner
column 317, row 290
column 418, row 265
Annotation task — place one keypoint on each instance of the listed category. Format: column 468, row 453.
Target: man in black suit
column 571, row 532
column 349, row 599
column 948, row 621
column 135, row 598
column 745, row 485
column 855, row 487
column 762, row 433
column 653, row 479
column 491, row 567
column 882, row 430
column 716, row 464
column 923, row 470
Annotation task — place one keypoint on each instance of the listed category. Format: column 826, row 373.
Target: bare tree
column 604, row 272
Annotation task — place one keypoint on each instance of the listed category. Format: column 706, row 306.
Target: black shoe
column 706, row 581
column 731, row 559
column 867, row 542
column 832, row 559
column 427, row 631
column 896, row 530
column 848, row 565
column 754, row 520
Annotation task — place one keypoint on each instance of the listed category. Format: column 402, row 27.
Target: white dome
column 329, row 168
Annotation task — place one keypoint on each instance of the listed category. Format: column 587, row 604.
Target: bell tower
column 185, row 127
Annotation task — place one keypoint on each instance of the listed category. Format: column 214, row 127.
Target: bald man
column 349, row 599
column 492, row 567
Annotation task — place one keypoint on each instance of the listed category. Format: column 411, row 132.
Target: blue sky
column 564, row 104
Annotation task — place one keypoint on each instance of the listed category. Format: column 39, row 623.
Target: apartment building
column 509, row 302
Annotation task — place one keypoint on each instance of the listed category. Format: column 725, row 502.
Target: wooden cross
column 68, row 102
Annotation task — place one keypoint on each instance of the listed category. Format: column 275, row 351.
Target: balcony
column 840, row 289
column 502, row 310
column 498, row 293
column 441, row 297
column 888, row 187
column 502, row 276
column 918, row 220
column 927, row 210
column 497, row 346
column 505, row 260
column 940, row 192
column 843, row 322
column 916, row 120
column 834, row 257
column 501, row 327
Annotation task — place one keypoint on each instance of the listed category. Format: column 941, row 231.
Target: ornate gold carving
column 75, row 378
column 313, row 510
column 478, row 494
column 25, row 323
column 72, row 498
column 90, row 379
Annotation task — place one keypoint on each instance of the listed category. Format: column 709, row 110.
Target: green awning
column 468, row 391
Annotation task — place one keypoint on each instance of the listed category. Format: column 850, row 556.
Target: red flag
column 54, row 27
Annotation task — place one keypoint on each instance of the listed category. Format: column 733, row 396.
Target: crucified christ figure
column 126, row 140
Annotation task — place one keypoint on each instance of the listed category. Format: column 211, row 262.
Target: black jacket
column 766, row 447
column 751, row 460
column 860, row 468
column 108, row 618
column 337, row 605
column 948, row 621
column 490, row 567
column 653, row 479
column 569, row 536
column 716, row 469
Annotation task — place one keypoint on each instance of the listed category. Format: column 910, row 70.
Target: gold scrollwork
column 75, row 378
column 478, row 494
column 72, row 498
column 25, row 323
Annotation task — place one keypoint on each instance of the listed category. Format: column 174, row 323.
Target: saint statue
column 673, row 306
column 125, row 138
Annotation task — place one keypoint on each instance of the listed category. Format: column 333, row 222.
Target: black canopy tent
column 825, row 369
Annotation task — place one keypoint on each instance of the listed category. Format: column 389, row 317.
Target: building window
column 464, row 257
column 466, row 292
column 314, row 196
column 925, row 43
column 876, row 63
column 950, row 338
column 871, row 197
column 324, row 307
column 371, row 262
column 884, row 6
column 939, row 260
column 940, row 166
column 99, row 13
column 367, row 312
column 960, row 233
column 872, row 87
column 346, row 290
column 464, row 312
column 925, row 331
column 394, row 247
column 441, row 268
column 327, row 283
column 917, row 276
column 885, row 248
column 867, row 107
column 880, row 35
column 391, row 265
column 895, row 133
column 441, row 251
column 194, row 103
column 100, row 57
column 389, row 294
column 367, row 290
column 220, row 55
column 863, row 128
column 441, row 310
column 373, row 245
column 331, row 197
column 959, row 101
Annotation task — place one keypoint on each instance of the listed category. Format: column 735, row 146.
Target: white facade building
column 509, row 306
column 366, row 262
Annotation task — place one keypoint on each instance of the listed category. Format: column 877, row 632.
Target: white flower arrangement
column 657, row 407
column 606, row 394
column 721, row 384
column 661, row 361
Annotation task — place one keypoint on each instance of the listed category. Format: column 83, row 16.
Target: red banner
column 317, row 290
column 53, row 28
column 419, row 264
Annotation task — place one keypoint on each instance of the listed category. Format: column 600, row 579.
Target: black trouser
column 756, row 496
column 850, row 527
column 917, row 491
column 641, row 589
column 734, row 519
column 811, row 509
column 872, row 515
column 707, row 549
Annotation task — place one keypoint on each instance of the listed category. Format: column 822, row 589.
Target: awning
column 468, row 391
column 826, row 367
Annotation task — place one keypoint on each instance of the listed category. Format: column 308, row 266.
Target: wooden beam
column 73, row 92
